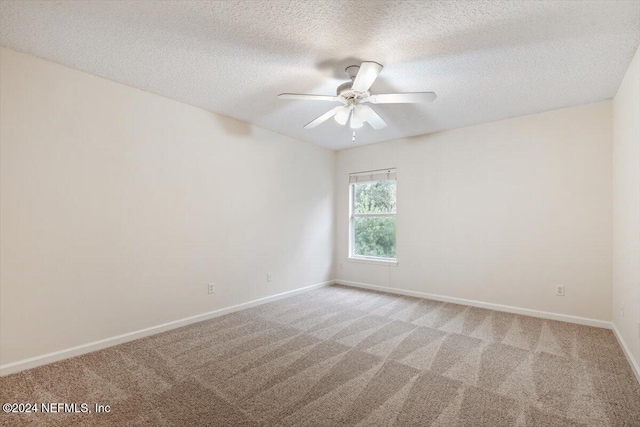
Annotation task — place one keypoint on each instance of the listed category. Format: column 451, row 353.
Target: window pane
column 375, row 237
column 375, row 197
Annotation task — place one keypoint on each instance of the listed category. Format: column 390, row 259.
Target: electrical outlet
column 560, row 291
column 212, row 288
column 269, row 277
column 341, row 266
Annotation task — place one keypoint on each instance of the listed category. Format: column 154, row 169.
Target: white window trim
column 371, row 260
column 392, row 262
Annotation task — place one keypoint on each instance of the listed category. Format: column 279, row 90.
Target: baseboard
column 627, row 352
column 21, row 365
column 481, row 304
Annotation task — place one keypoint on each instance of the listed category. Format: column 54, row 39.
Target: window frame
column 352, row 219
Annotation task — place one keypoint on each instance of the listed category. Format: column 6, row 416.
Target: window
column 372, row 226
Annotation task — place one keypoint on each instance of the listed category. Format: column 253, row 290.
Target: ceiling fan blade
column 402, row 98
column 367, row 74
column 308, row 97
column 326, row 116
column 371, row 117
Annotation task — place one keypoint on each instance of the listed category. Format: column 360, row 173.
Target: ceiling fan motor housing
column 344, row 90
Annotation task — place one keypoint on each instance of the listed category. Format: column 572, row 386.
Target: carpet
column 339, row 356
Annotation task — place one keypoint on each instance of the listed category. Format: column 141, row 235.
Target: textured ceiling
column 486, row 60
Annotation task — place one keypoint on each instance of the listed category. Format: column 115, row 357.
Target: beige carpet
column 340, row 356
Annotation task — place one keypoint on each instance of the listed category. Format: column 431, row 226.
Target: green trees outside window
column 374, row 219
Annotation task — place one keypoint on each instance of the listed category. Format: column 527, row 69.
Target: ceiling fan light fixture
column 363, row 112
column 356, row 121
column 342, row 116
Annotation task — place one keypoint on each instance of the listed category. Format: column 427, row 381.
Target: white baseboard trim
column 627, row 352
column 33, row 362
column 481, row 304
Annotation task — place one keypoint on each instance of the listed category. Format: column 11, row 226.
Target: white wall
column 626, row 210
column 119, row 206
column 500, row 213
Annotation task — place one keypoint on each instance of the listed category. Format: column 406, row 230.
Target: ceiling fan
column 355, row 94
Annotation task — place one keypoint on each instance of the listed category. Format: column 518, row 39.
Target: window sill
column 387, row 262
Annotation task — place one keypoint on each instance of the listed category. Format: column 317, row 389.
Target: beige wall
column 626, row 209
column 119, row 206
column 500, row 213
